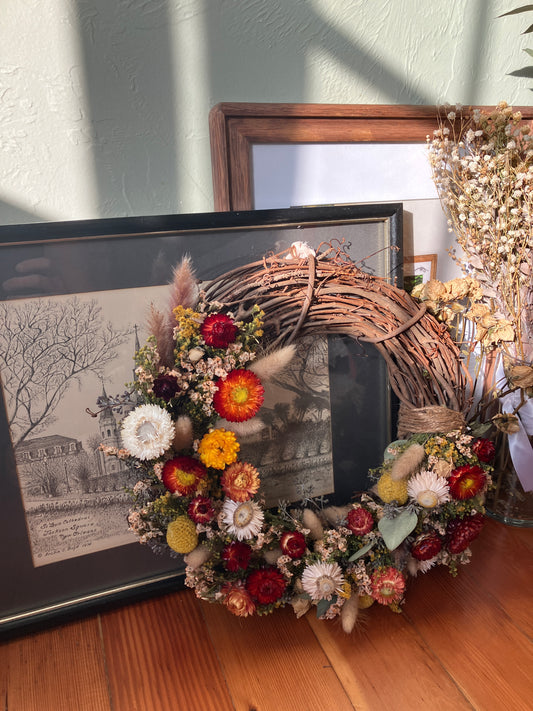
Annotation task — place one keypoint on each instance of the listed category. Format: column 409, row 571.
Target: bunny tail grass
column 270, row 365
column 197, row 557
column 408, row 462
column 243, row 429
column 312, row 522
column 336, row 514
column 184, row 433
column 349, row 613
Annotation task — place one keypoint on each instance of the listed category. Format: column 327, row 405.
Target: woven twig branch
column 329, row 294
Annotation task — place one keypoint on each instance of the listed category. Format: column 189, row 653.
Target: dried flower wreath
column 201, row 378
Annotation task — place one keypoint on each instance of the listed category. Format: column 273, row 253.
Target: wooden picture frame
column 419, row 269
column 235, row 128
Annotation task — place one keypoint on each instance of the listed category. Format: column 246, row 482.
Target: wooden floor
column 463, row 643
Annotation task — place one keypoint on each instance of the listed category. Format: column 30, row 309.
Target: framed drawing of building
column 73, row 299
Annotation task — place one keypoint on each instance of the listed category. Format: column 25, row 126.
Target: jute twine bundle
column 328, row 294
column 434, row 418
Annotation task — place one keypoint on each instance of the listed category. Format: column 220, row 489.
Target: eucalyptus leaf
column 395, row 530
column 392, row 449
column 480, row 428
column 529, row 51
column 323, row 606
column 361, row 551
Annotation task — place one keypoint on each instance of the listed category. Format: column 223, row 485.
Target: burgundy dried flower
column 360, row 521
column 266, row 585
column 426, row 546
column 165, row 387
column 484, row 449
column 236, row 556
column 292, row 543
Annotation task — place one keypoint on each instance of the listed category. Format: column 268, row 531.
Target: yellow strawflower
column 218, row 448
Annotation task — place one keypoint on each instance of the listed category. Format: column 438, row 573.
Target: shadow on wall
column 269, row 28
column 11, row 214
column 135, row 88
column 129, row 78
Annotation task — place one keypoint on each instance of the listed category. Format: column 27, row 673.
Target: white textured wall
column 104, row 103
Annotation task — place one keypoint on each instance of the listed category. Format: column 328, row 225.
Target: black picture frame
column 99, row 256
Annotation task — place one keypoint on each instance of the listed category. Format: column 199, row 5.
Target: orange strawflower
column 240, row 481
column 239, row 396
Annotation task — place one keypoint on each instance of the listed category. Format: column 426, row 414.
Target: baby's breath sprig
column 482, row 166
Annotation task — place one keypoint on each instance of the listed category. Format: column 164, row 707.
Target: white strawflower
column 147, row 432
column 428, row 489
column 322, row 580
column 300, row 250
column 243, row 519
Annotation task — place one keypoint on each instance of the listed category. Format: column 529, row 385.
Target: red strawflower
column 484, row 449
column 388, row 585
column 461, row 532
column 266, row 585
column 218, row 330
column 239, row 396
column 466, row 481
column 292, row 543
column 360, row 521
column 182, row 475
column 201, row 510
column 426, row 546
column 236, row 556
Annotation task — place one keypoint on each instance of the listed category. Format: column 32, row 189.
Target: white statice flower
column 421, row 566
column 147, row 432
column 428, row 489
column 242, row 519
column 322, row 580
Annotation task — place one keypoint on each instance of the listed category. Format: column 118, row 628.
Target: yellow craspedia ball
column 181, row 535
column 390, row 490
column 365, row 601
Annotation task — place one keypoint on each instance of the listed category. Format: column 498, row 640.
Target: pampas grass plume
column 197, row 557
column 159, row 327
column 270, row 365
column 184, row 434
column 184, row 289
column 349, row 613
column 312, row 522
column 408, row 462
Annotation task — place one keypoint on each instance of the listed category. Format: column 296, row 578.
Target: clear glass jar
column 507, row 501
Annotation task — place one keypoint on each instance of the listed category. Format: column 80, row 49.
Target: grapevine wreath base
column 201, row 378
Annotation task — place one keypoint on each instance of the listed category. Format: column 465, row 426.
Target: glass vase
column 507, row 501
